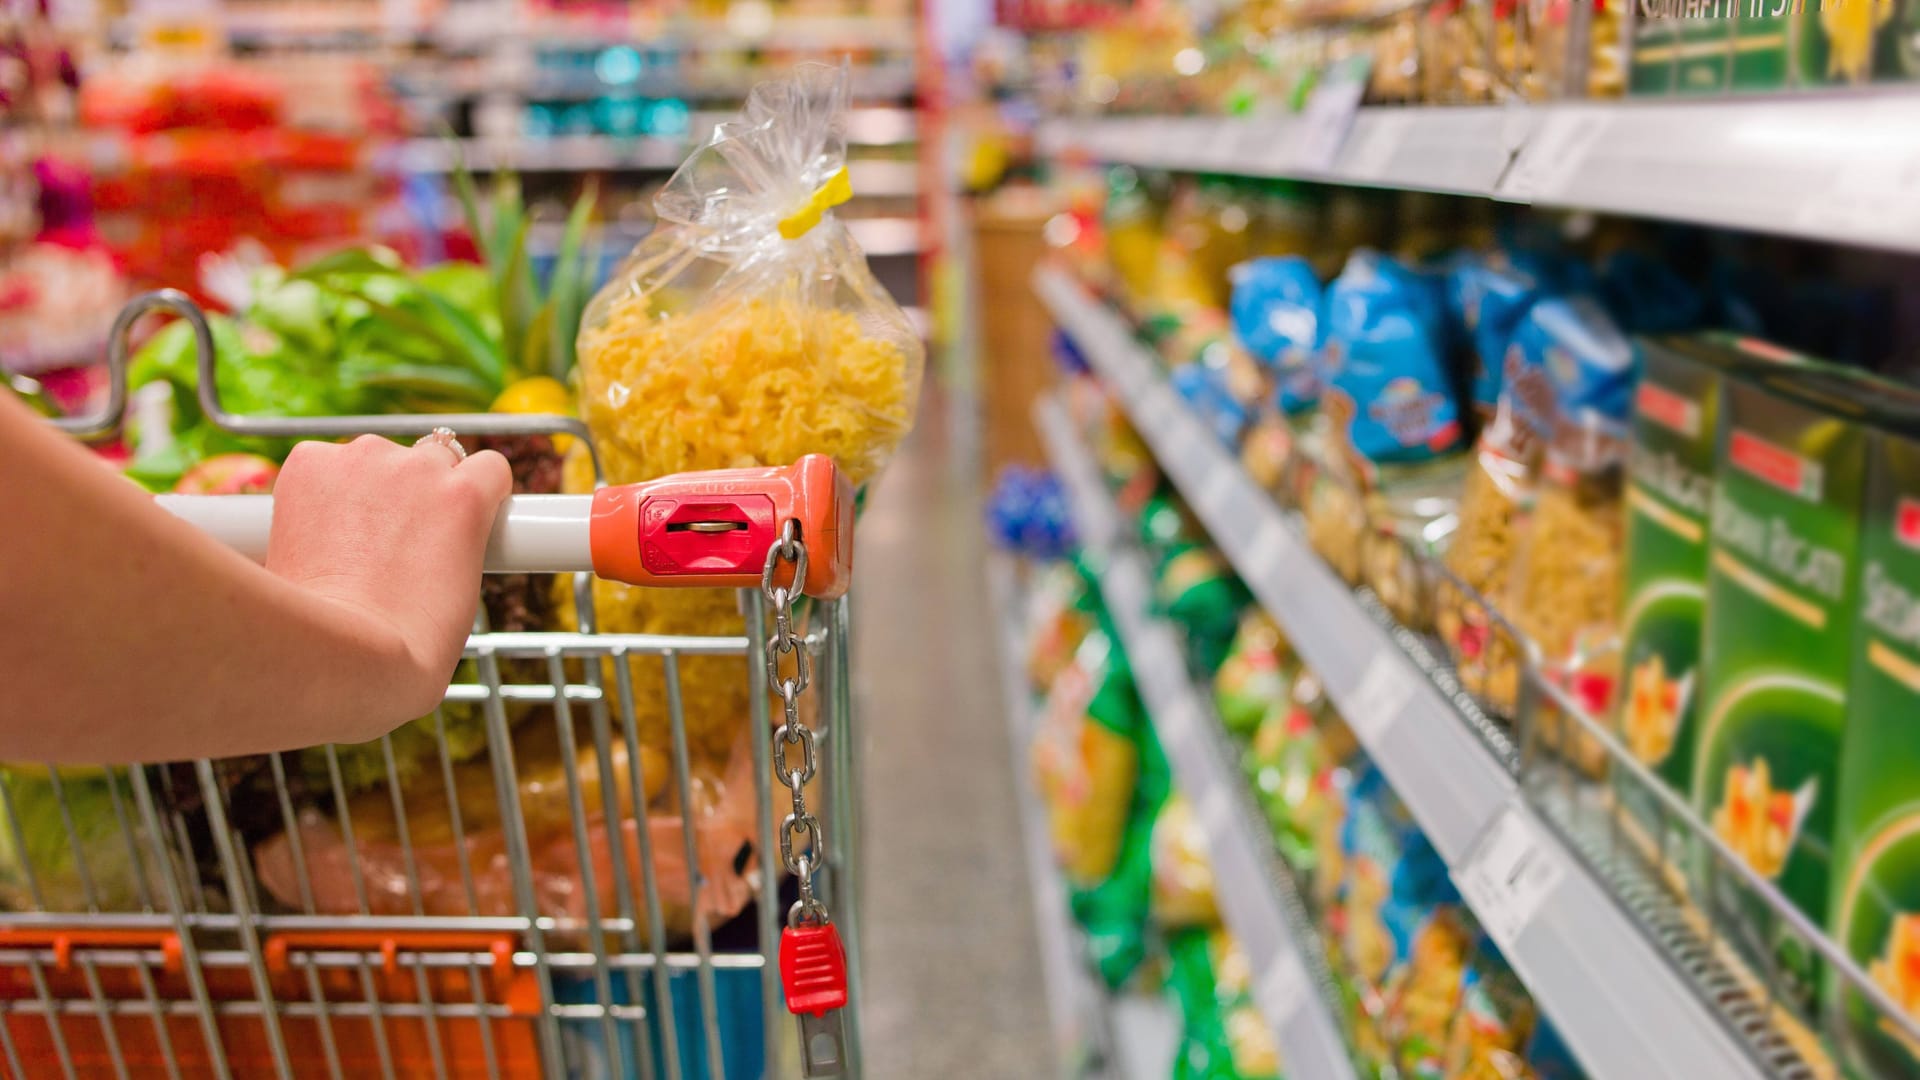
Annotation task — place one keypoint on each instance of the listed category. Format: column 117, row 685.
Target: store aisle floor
column 953, row 973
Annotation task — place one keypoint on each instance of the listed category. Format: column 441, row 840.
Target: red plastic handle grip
column 714, row 528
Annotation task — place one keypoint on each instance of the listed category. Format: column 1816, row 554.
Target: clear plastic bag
column 745, row 330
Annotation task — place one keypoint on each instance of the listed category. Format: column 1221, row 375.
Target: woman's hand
column 396, row 536
column 129, row 635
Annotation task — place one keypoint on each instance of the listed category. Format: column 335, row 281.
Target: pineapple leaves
column 566, row 293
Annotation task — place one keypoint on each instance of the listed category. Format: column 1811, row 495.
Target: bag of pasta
column 1566, row 581
column 1494, row 502
column 745, row 330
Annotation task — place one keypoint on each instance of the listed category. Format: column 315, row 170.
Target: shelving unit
column 1253, row 891
column 1130, row 1036
column 1821, row 166
column 1621, row 1004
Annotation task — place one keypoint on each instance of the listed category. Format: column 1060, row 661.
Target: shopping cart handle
column 690, row 529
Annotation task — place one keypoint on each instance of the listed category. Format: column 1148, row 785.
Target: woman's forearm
column 127, row 635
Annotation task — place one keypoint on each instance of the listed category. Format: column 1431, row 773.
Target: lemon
column 534, row 395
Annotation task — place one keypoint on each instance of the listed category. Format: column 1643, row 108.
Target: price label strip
column 1215, row 810
column 1875, row 191
column 1555, row 152
column 1379, row 697
column 1375, row 139
column 1329, row 114
column 1269, row 547
column 1281, row 989
column 1510, row 873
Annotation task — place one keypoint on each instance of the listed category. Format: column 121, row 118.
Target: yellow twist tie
column 837, row 189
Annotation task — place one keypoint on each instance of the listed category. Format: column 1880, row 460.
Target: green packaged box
column 1777, row 654
column 1676, row 413
column 1876, row 896
column 1693, row 47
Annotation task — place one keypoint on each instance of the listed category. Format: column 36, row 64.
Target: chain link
column 801, row 861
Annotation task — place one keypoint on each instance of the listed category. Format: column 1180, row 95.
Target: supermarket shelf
column 440, row 80
column 747, row 30
column 1133, row 1034
column 1823, row 167
column 1622, row 1007
column 1254, row 900
column 606, row 153
column 1456, row 150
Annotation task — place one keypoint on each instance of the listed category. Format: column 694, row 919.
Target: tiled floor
column 953, row 984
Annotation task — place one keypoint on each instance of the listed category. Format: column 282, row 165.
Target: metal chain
column 793, row 731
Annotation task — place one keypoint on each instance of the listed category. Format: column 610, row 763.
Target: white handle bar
column 534, row 534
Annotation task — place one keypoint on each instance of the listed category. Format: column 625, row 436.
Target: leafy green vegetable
column 36, row 841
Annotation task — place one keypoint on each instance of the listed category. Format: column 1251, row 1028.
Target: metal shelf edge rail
column 1615, row 998
column 1822, row 166
column 1253, row 901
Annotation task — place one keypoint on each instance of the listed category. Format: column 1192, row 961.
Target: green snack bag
column 1781, row 596
column 1223, row 1036
column 1256, row 678
column 1199, row 592
column 1876, row 897
column 1114, row 911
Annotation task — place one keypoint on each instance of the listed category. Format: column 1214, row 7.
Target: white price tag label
column 1375, row 138
column 1217, row 139
column 1559, row 146
column 1329, row 114
column 1214, row 810
column 1379, row 697
column 1509, row 874
column 1267, row 550
column 1264, row 143
column 1216, row 497
column 1281, row 989
column 1875, row 192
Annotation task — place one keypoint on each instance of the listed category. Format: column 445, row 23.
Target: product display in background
column 1567, row 534
column 199, row 157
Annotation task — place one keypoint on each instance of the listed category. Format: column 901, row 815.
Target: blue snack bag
column 1491, row 295
column 1275, row 310
column 1382, row 362
column 1205, row 388
column 1572, row 366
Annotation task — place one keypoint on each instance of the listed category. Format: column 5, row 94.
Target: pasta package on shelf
column 1566, row 578
column 1275, row 310
column 1404, row 938
column 1393, row 424
column 1496, row 495
column 1256, row 678
column 1060, row 614
column 1086, row 759
column 1104, row 779
column 1182, row 877
column 745, row 330
column 1223, row 1034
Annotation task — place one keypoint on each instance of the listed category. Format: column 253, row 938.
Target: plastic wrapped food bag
column 746, row 330
column 1566, row 580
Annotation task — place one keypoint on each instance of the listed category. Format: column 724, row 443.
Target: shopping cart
column 150, row 931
